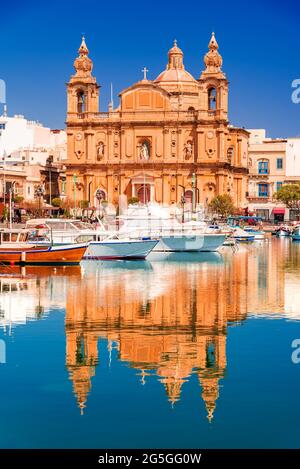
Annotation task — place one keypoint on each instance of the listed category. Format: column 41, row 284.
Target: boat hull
column 47, row 255
column 185, row 243
column 118, row 249
column 244, row 239
column 282, row 233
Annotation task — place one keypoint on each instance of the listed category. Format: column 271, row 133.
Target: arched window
column 80, row 102
column 212, row 99
column 263, row 167
column 191, row 109
column 230, row 155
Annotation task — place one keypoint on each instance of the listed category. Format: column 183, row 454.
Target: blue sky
column 259, row 42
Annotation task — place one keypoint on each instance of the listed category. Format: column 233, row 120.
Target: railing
column 139, row 115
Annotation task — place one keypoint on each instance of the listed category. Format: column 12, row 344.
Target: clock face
column 210, row 134
column 78, row 136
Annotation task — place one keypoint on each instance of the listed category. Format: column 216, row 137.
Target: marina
column 159, row 345
column 149, row 233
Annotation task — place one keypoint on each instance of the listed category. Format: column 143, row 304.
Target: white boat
column 241, row 235
column 296, row 233
column 116, row 249
column 62, row 230
column 155, row 221
column 283, row 231
column 189, row 243
column 102, row 243
column 139, row 224
column 258, row 234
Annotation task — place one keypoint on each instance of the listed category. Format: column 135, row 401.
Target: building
column 168, row 137
column 272, row 163
column 293, row 159
column 267, row 169
column 30, row 155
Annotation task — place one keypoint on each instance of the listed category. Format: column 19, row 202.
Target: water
column 182, row 350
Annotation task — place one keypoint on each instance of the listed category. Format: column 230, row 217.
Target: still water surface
column 182, row 350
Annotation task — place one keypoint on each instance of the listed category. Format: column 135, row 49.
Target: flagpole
column 4, row 181
column 111, row 96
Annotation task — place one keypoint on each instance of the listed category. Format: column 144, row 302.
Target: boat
column 119, row 249
column 258, row 234
column 156, row 222
column 241, row 235
column 60, row 231
column 245, row 227
column 103, row 244
column 296, row 233
column 283, row 230
column 139, row 225
column 15, row 249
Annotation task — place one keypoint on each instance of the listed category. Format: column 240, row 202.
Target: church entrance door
column 144, row 193
column 188, row 195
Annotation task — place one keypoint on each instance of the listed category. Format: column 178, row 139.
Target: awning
column 278, row 211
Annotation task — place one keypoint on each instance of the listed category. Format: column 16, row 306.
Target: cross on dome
column 145, row 71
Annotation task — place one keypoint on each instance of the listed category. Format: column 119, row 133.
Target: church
column 169, row 140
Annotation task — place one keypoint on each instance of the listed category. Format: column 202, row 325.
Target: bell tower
column 82, row 89
column 213, row 85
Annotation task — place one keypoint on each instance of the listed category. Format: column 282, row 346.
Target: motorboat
column 258, row 234
column 118, row 249
column 61, row 230
column 102, row 244
column 283, row 230
column 115, row 241
column 246, row 225
column 16, row 248
column 174, row 236
column 241, row 235
column 296, row 233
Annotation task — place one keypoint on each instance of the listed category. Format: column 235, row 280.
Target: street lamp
column 11, row 192
column 89, row 194
column 38, row 193
column 74, row 187
column 182, row 200
column 99, row 197
column 193, row 192
column 49, row 163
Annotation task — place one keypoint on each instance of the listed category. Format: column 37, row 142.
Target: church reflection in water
column 167, row 318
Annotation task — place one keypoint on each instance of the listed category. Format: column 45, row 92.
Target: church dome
column 174, row 75
column 175, row 71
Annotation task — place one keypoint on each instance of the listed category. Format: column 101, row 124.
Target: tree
column 56, row 202
column 222, row 205
column 18, row 199
column 83, row 204
column 289, row 194
column 133, row 200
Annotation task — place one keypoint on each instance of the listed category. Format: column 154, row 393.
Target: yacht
column 102, row 244
column 155, row 221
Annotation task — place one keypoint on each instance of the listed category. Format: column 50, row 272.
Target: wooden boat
column 15, row 249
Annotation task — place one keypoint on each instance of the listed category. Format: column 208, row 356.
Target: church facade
column 168, row 141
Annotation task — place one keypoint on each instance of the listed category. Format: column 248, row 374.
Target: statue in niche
column 144, row 151
column 100, row 150
column 188, row 148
